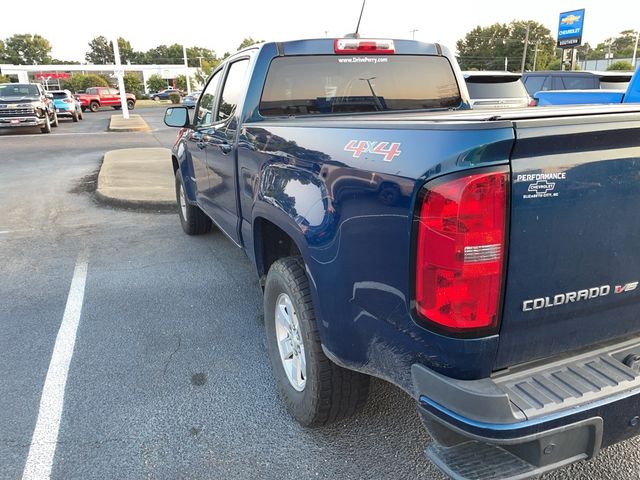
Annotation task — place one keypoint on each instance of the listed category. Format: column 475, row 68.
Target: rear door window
column 537, row 83
column 234, row 88
column 325, row 84
column 578, row 82
column 481, row 87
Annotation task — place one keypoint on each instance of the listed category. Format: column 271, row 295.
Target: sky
column 221, row 26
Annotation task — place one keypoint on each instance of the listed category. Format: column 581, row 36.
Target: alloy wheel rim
column 290, row 345
column 183, row 203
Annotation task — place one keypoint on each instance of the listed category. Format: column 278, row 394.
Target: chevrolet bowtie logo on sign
column 570, row 20
column 570, row 29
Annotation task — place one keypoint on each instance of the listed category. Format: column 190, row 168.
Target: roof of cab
column 325, row 46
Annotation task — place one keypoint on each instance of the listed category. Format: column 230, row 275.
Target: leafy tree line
column 485, row 48
column 620, row 46
column 27, row 49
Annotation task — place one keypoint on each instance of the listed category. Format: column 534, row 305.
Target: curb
column 135, row 123
column 164, row 207
column 137, row 179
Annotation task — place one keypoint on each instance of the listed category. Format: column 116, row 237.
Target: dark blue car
column 164, row 94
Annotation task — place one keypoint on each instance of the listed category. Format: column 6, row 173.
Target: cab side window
column 204, row 115
column 233, row 89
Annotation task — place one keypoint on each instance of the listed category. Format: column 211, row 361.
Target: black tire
column 193, row 220
column 94, row 106
column 54, row 124
column 131, row 104
column 84, row 109
column 81, row 115
column 74, row 116
column 331, row 392
column 47, row 125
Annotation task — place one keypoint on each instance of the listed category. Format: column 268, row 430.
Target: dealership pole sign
column 570, row 29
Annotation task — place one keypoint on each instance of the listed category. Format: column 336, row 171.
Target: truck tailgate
column 574, row 245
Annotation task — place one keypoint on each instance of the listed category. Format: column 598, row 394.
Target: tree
column 4, row 79
column 205, row 71
column 620, row 46
column 155, row 83
column 621, row 65
column 181, row 82
column 197, row 55
column 163, row 54
column 27, row 49
column 56, row 61
column 101, row 51
column 485, row 48
column 247, row 42
column 82, row 82
column 133, row 83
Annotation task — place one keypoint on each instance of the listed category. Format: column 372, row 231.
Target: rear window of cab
column 326, row 84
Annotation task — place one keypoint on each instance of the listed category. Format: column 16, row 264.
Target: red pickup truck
column 96, row 97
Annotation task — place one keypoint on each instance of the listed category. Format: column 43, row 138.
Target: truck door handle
column 201, row 145
column 225, row 148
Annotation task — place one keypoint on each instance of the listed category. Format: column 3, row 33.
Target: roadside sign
column 51, row 76
column 570, row 28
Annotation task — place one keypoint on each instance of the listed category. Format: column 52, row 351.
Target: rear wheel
column 80, row 115
column 74, row 116
column 131, row 104
column 315, row 390
column 94, row 106
column 55, row 120
column 193, row 220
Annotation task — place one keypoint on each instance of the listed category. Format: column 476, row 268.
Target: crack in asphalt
column 166, row 365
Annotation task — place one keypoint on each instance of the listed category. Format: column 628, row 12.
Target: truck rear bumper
column 532, row 419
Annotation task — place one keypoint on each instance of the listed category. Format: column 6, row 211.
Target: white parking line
column 66, row 134
column 45, row 435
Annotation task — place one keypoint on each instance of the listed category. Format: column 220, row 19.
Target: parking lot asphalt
column 169, row 377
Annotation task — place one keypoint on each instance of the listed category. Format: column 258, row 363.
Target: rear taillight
column 67, row 100
column 460, row 251
column 533, row 102
column 357, row 45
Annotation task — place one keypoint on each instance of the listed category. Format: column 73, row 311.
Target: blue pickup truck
column 484, row 262
column 589, row 97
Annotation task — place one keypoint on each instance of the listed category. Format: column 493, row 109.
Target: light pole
column 635, row 49
column 186, row 68
column 524, row 53
column 413, row 33
column 120, row 74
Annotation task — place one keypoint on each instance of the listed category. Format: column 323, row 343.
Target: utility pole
column 535, row 57
column 635, row 50
column 506, row 64
column 186, row 68
column 524, row 53
column 120, row 74
column 413, row 33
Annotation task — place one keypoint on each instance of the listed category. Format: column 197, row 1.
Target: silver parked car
column 490, row 90
column 190, row 100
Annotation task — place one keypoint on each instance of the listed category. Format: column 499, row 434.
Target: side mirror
column 177, row 117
